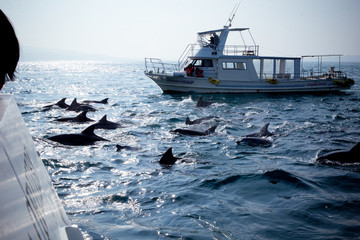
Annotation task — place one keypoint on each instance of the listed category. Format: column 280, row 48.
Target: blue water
column 219, row 190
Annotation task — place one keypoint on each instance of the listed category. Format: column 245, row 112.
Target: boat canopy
column 213, row 42
column 222, row 29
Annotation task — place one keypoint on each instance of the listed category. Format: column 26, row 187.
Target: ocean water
column 218, row 190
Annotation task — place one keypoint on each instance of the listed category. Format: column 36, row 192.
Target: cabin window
column 234, row 65
column 202, row 63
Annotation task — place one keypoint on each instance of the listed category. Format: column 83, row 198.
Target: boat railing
column 155, row 65
column 317, row 72
column 241, row 50
column 190, row 50
column 313, row 75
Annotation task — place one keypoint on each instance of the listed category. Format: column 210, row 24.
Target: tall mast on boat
column 232, row 15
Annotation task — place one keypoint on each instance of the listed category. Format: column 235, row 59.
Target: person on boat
column 199, row 72
column 189, row 70
column 214, row 40
column 331, row 75
column 10, row 50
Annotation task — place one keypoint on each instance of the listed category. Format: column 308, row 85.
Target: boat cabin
column 214, row 65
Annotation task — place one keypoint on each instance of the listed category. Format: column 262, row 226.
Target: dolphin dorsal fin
column 211, row 130
column 103, row 119
column 168, row 158
column 89, row 130
column 62, row 101
column 264, row 130
column 105, row 100
column 187, row 121
column 82, row 115
column 73, row 104
column 168, row 153
column 119, row 147
column 356, row 148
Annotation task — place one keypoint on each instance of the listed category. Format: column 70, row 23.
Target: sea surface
column 218, row 189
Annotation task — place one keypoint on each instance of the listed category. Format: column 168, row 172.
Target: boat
column 30, row 208
column 213, row 66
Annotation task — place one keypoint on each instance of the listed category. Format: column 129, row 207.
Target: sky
column 163, row 28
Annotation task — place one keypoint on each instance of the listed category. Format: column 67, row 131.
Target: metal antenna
column 232, row 15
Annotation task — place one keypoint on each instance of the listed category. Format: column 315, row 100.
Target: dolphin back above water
column 77, row 107
column 342, row 156
column 255, row 141
column 60, row 104
column 195, row 133
column 79, row 118
column 119, row 147
column 103, row 123
column 104, row 101
column 86, row 137
column 202, row 103
column 198, row 121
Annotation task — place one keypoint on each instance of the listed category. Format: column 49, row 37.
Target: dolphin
column 103, row 123
column 104, row 101
column 77, row 107
column 79, row 118
column 255, row 141
column 123, row 147
column 197, row 121
column 342, row 156
column 203, row 103
column 60, row 103
column 86, row 137
column 195, row 133
column 264, row 132
column 168, row 158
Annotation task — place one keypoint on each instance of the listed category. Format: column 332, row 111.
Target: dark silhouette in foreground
column 341, row 156
column 9, row 49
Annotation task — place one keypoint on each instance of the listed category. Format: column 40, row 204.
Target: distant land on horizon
column 41, row 54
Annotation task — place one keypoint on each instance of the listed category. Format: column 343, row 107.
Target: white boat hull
column 170, row 83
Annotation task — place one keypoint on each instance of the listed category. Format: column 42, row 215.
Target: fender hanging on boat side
column 213, row 80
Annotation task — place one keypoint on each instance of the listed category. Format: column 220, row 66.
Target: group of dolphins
column 88, row 137
column 261, row 139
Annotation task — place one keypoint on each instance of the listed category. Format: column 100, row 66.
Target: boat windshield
column 209, row 39
column 202, row 63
